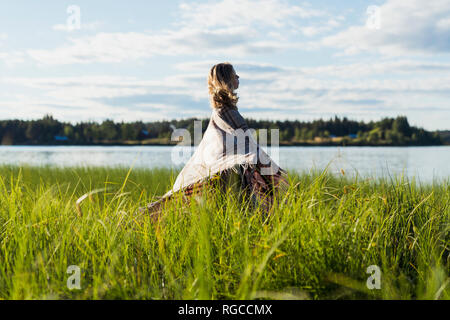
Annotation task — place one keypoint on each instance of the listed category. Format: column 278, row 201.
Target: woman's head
column 222, row 81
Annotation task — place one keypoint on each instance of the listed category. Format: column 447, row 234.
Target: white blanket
column 222, row 147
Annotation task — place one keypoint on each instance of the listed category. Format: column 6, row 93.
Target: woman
column 227, row 153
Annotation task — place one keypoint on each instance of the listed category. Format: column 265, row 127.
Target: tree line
column 334, row 131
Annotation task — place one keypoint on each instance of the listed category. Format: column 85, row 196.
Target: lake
column 424, row 163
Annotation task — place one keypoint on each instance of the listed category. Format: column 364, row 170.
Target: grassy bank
column 316, row 245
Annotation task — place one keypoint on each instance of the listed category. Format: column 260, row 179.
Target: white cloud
column 12, row 58
column 230, row 27
column 314, row 30
column 356, row 90
column 118, row 47
column 83, row 26
column 406, row 27
column 229, row 13
column 443, row 24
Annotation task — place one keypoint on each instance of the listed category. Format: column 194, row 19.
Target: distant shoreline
column 282, row 144
column 332, row 132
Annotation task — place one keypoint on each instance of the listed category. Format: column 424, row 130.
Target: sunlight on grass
column 316, row 244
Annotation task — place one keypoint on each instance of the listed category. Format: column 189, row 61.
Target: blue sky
column 148, row 60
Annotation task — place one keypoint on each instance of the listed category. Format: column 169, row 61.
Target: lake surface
column 425, row 163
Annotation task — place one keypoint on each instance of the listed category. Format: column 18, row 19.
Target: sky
column 148, row 60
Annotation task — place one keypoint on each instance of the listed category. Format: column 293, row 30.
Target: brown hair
column 220, row 86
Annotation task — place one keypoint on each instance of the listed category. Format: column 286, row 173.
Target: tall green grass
column 317, row 244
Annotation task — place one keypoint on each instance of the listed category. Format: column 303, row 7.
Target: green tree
column 68, row 131
column 109, row 130
column 401, row 125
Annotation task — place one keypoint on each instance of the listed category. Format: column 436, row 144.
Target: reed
column 317, row 244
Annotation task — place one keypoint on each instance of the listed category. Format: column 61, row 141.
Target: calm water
column 425, row 163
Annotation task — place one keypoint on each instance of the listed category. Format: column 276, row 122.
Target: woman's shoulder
column 233, row 118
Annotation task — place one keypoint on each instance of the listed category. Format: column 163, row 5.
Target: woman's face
column 235, row 80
